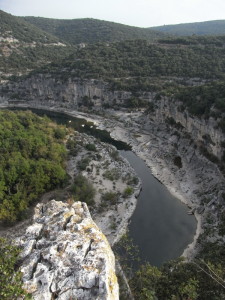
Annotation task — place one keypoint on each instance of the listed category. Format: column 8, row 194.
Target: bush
column 91, row 147
column 83, row 190
column 10, row 279
column 110, row 197
column 60, row 133
column 112, row 174
column 71, row 145
column 115, row 154
column 83, row 163
column 128, row 191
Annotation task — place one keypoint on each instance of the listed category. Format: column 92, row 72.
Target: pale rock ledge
column 65, row 255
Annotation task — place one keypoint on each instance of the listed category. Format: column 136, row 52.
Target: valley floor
column 155, row 145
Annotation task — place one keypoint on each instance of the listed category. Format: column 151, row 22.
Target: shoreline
column 124, row 135
column 123, row 209
column 190, row 250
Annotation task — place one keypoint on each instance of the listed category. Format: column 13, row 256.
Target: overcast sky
column 142, row 13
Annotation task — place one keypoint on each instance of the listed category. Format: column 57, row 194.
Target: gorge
column 172, row 228
column 162, row 98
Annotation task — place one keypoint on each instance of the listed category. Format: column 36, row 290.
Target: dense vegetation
column 91, row 31
column 31, row 161
column 200, row 100
column 10, row 278
column 23, row 31
column 176, row 280
column 197, row 28
column 23, row 58
column 202, row 58
column 202, row 278
column 24, row 47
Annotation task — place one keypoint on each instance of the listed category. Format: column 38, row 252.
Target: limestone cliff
column 203, row 131
column 65, row 255
column 54, row 91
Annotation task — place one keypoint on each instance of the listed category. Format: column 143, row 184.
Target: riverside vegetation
column 35, row 162
column 32, row 161
column 189, row 69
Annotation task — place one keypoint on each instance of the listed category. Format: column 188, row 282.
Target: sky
column 141, row 13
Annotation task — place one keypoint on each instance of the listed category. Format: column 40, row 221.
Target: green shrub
column 83, row 190
column 60, row 132
column 110, row 197
column 72, row 146
column 91, row 147
column 83, row 163
column 10, row 279
column 114, row 154
column 128, row 191
column 112, row 174
column 131, row 180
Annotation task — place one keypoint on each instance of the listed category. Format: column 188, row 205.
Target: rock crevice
column 62, row 259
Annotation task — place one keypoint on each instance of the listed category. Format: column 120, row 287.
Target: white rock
column 72, row 258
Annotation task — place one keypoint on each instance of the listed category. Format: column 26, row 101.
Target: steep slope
column 199, row 28
column 187, row 57
column 24, row 47
column 66, row 256
column 17, row 28
column 91, row 30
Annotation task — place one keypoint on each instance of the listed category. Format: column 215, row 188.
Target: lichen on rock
column 66, row 256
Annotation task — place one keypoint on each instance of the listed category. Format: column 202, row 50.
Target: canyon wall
column 44, row 89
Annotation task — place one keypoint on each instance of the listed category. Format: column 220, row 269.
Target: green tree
column 83, row 190
column 32, row 159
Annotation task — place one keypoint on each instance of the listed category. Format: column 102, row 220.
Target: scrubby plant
column 112, row 174
column 83, row 163
column 83, row 190
column 128, row 191
column 91, row 147
column 10, row 277
column 110, row 197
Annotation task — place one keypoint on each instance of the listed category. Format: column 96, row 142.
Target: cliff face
column 202, row 131
column 65, row 256
column 50, row 91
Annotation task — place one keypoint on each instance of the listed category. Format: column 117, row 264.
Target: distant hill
column 91, row 30
column 198, row 28
column 17, row 28
column 24, row 47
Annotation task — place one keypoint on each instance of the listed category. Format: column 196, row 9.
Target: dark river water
column 160, row 226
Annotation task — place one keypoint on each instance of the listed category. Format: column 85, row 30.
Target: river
column 160, row 226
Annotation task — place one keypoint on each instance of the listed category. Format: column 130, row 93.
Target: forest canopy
column 32, row 156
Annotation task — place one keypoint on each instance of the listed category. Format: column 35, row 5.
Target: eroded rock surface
column 66, row 256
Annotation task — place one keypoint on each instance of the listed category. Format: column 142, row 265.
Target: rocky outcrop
column 44, row 89
column 202, row 130
column 65, row 255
